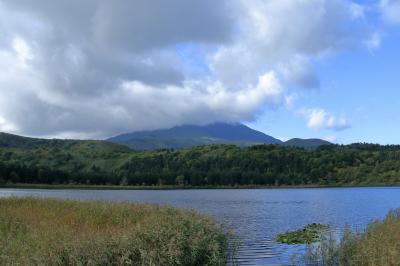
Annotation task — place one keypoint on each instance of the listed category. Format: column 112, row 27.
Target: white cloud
column 6, row 126
column 189, row 104
column 299, row 71
column 23, row 51
column 290, row 100
column 319, row 119
column 284, row 138
column 287, row 34
column 357, row 10
column 332, row 139
column 39, row 110
column 374, row 41
column 390, row 10
column 96, row 68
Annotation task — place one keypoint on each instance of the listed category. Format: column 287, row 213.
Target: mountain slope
column 306, row 143
column 19, row 142
column 191, row 135
column 14, row 141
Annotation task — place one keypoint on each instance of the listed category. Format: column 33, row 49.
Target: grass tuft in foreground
column 59, row 232
column 308, row 234
column 378, row 245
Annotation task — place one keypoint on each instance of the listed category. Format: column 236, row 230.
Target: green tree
column 180, row 180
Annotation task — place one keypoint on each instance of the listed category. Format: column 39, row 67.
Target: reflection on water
column 256, row 216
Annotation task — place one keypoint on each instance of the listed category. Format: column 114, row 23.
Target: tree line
column 214, row 165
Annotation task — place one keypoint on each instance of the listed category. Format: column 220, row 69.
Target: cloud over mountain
column 97, row 68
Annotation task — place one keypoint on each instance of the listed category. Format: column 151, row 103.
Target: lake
column 257, row 215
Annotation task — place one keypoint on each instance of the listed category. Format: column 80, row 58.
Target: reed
column 379, row 245
column 62, row 232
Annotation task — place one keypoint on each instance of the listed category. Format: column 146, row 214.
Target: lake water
column 257, row 215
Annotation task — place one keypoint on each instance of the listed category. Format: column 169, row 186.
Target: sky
column 291, row 68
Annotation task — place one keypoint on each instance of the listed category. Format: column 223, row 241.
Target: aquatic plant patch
column 308, row 234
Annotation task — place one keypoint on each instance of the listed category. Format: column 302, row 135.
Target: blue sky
column 362, row 84
column 290, row 68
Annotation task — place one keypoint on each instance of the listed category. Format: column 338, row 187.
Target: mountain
column 192, row 135
column 15, row 141
column 19, row 142
column 306, row 143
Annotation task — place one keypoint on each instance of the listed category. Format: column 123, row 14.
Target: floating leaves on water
column 308, row 234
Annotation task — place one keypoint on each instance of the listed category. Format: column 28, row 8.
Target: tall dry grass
column 59, row 232
column 378, row 245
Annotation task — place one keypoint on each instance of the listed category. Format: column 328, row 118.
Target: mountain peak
column 193, row 135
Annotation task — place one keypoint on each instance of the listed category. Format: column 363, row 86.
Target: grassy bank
column 57, row 232
column 379, row 245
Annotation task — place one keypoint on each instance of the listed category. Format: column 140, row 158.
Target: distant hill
column 15, row 141
column 306, row 143
column 192, row 135
column 19, row 142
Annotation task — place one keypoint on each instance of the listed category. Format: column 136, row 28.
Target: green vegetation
column 56, row 232
column 310, row 233
column 378, row 245
column 71, row 162
column 306, row 143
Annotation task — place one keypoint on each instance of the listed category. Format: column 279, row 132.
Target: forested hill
column 19, row 142
column 306, row 143
column 98, row 162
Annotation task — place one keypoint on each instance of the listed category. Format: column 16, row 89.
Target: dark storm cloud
column 133, row 26
column 117, row 39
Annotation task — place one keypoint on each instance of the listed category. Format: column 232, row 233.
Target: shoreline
column 172, row 187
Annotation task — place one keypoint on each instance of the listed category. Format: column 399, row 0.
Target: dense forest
column 32, row 161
